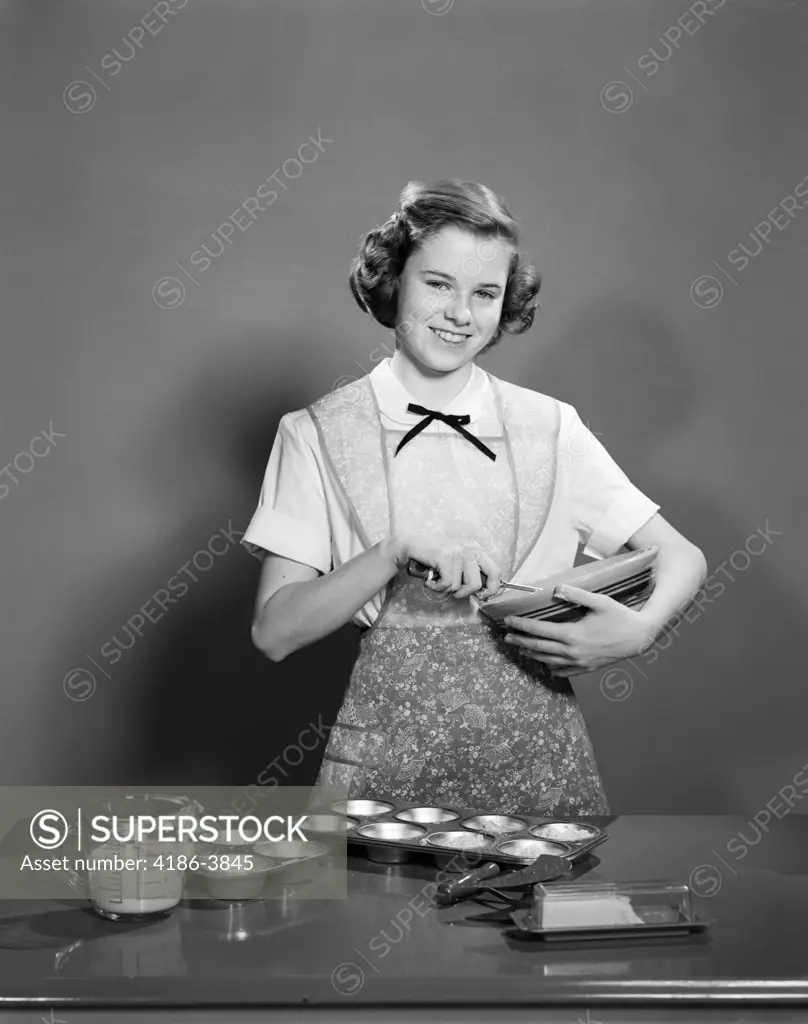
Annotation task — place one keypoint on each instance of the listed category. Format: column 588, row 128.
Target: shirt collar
column 393, row 397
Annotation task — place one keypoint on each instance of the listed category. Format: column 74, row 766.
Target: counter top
column 387, row 946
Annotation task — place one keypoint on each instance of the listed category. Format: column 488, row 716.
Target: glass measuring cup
column 127, row 876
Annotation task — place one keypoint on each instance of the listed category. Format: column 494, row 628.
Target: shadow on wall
column 694, row 709
column 192, row 701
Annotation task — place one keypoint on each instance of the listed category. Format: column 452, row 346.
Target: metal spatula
column 546, row 868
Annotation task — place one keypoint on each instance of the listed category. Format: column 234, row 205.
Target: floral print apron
column 439, row 709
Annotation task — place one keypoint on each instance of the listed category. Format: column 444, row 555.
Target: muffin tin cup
column 457, row 850
column 495, row 824
column 362, row 808
column 428, row 815
column 564, row 832
column 329, row 825
column 391, row 832
column 527, row 850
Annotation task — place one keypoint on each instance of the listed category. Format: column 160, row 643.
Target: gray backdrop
column 638, row 144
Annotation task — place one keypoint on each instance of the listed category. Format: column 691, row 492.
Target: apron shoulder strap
column 531, row 422
column 350, row 434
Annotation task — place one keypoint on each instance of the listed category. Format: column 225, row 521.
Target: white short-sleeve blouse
column 301, row 514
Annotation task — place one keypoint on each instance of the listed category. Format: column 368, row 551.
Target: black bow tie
column 456, row 422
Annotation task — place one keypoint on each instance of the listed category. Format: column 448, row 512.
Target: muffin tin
column 393, row 833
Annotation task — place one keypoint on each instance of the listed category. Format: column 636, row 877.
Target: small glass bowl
column 297, row 860
column 235, row 886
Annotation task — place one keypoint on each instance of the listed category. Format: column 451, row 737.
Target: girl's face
column 450, row 298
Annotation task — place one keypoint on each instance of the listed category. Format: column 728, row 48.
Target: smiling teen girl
column 429, row 457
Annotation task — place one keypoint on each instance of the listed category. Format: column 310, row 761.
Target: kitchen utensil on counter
column 490, row 877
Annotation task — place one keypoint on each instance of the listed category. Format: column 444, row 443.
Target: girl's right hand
column 458, row 565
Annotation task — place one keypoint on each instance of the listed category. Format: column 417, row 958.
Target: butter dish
column 598, row 910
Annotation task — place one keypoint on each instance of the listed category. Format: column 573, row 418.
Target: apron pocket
column 357, row 745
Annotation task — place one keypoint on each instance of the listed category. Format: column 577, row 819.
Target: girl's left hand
column 609, row 632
